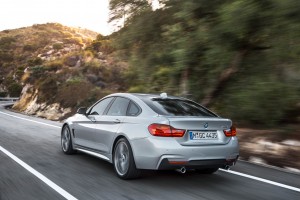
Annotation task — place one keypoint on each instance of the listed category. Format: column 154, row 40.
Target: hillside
column 57, row 68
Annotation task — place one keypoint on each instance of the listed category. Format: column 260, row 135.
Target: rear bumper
column 166, row 164
column 158, row 153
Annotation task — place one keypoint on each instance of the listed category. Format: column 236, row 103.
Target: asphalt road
column 32, row 166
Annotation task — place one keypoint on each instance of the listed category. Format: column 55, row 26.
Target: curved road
column 32, row 166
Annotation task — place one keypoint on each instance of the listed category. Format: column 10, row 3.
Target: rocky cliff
column 56, row 69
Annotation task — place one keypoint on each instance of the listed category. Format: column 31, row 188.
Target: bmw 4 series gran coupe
column 154, row 132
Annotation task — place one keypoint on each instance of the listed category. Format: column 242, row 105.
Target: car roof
column 150, row 96
column 146, row 96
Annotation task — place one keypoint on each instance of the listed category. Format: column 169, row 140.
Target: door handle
column 117, row 121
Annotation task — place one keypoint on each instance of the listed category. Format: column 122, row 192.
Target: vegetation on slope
column 239, row 57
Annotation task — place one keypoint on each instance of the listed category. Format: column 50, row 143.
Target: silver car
column 153, row 132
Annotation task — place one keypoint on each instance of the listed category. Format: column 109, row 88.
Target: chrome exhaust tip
column 182, row 170
column 227, row 167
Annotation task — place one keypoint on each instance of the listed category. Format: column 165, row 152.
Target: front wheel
column 123, row 160
column 66, row 141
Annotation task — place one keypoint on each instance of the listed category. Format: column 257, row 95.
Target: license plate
column 203, row 135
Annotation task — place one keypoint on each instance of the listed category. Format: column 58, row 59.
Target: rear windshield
column 178, row 107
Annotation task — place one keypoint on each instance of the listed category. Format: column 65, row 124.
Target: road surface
column 32, row 166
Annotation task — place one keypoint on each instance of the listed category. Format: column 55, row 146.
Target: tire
column 66, row 141
column 123, row 160
column 207, row 170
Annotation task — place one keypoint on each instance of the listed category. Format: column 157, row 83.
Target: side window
column 119, row 107
column 133, row 110
column 100, row 107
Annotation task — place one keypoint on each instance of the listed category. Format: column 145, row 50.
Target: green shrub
column 14, row 89
column 37, row 71
column 106, row 47
column 75, row 80
column 93, row 66
column 19, row 73
column 35, row 61
column 3, row 94
column 58, row 46
column 6, row 56
column 137, row 89
column 7, row 42
column 73, row 92
column 54, row 65
column 30, row 47
column 48, row 88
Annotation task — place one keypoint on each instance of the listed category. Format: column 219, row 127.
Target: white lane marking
column 29, row 120
column 262, row 180
column 39, row 175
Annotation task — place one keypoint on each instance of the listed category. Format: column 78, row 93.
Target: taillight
column 230, row 132
column 164, row 130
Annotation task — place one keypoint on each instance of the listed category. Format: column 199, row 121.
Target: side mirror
column 82, row 111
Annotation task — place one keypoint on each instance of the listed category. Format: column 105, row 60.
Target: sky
column 89, row 14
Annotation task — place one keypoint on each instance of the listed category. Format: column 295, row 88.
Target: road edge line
column 43, row 178
column 29, row 120
column 262, row 180
column 282, row 169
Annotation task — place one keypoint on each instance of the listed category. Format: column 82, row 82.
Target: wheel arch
column 115, row 142
column 114, row 145
column 71, row 131
column 62, row 127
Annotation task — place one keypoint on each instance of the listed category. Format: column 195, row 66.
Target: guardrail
column 9, row 98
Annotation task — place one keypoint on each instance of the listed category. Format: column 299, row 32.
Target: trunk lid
column 201, row 131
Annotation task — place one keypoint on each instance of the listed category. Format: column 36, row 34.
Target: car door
column 84, row 131
column 108, row 124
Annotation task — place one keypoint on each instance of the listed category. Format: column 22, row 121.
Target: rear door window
column 119, row 107
column 133, row 109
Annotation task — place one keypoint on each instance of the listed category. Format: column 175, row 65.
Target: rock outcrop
column 30, row 105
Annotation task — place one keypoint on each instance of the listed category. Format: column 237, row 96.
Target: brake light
column 164, row 130
column 230, row 132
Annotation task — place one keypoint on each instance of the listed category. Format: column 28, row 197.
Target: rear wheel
column 66, row 141
column 123, row 160
column 207, row 170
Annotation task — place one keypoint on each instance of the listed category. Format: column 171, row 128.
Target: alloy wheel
column 121, row 158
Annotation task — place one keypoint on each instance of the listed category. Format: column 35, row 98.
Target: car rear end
column 189, row 136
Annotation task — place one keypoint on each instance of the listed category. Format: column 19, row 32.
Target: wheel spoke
column 122, row 165
column 68, row 135
column 65, row 145
column 121, row 148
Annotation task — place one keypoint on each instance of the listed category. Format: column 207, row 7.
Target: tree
column 218, row 53
column 124, row 9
